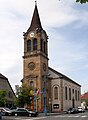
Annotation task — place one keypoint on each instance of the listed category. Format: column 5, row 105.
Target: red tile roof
column 84, row 96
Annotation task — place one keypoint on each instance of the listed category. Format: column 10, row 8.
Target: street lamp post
column 50, row 105
column 35, row 100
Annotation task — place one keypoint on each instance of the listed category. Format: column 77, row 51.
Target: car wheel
column 29, row 115
column 15, row 114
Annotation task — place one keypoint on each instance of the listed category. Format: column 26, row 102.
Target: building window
column 69, row 93
column 75, row 94
column 44, row 47
column 73, row 91
column 56, row 93
column 31, row 65
column 78, row 96
column 29, row 46
column 35, row 44
column 41, row 43
column 66, row 93
column 10, row 94
column 31, row 83
column 55, row 106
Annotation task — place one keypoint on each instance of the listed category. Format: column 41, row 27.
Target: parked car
column 5, row 111
column 81, row 109
column 24, row 112
column 0, row 115
column 13, row 108
column 72, row 111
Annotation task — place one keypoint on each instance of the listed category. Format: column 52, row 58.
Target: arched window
column 10, row 94
column 66, row 93
column 56, row 93
column 69, row 93
column 35, row 44
column 31, row 83
column 44, row 47
column 78, row 96
column 41, row 43
column 29, row 46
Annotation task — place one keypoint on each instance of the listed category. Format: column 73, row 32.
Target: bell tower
column 35, row 59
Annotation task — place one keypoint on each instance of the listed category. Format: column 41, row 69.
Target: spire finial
column 36, row 2
column 35, row 22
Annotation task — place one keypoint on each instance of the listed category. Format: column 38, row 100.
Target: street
column 79, row 116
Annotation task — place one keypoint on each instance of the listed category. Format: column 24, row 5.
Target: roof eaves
column 2, row 76
column 63, row 76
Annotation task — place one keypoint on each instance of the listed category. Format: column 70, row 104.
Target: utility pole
column 35, row 100
column 45, row 109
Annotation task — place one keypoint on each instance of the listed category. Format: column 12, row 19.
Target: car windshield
column 70, row 108
column 79, row 107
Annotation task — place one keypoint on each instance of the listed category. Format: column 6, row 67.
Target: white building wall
column 56, row 81
column 68, row 103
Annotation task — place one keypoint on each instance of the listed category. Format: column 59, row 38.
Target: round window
column 31, row 66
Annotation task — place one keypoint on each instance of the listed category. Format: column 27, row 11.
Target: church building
column 56, row 92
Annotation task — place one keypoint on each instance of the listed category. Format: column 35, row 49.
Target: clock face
column 31, row 65
column 31, row 34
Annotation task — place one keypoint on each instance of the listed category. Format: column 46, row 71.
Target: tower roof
column 35, row 22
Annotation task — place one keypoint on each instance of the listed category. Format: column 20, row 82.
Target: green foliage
column 2, row 98
column 24, row 97
column 82, row 1
column 86, row 101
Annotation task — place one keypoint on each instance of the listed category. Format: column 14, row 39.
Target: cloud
column 62, row 13
column 64, row 21
column 69, row 55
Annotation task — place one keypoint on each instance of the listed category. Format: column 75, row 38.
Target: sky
column 66, row 23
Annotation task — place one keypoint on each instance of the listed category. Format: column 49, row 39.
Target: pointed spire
column 36, row 2
column 35, row 22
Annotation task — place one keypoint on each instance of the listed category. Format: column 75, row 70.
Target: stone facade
column 35, row 57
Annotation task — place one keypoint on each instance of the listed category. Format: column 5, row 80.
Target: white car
column 81, row 109
column 5, row 111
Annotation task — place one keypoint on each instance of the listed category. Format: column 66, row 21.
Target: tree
column 82, row 1
column 2, row 98
column 25, row 96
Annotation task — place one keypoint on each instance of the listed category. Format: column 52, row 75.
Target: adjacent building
column 5, row 85
column 84, row 100
column 56, row 92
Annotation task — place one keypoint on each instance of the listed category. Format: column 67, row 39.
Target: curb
column 50, row 114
